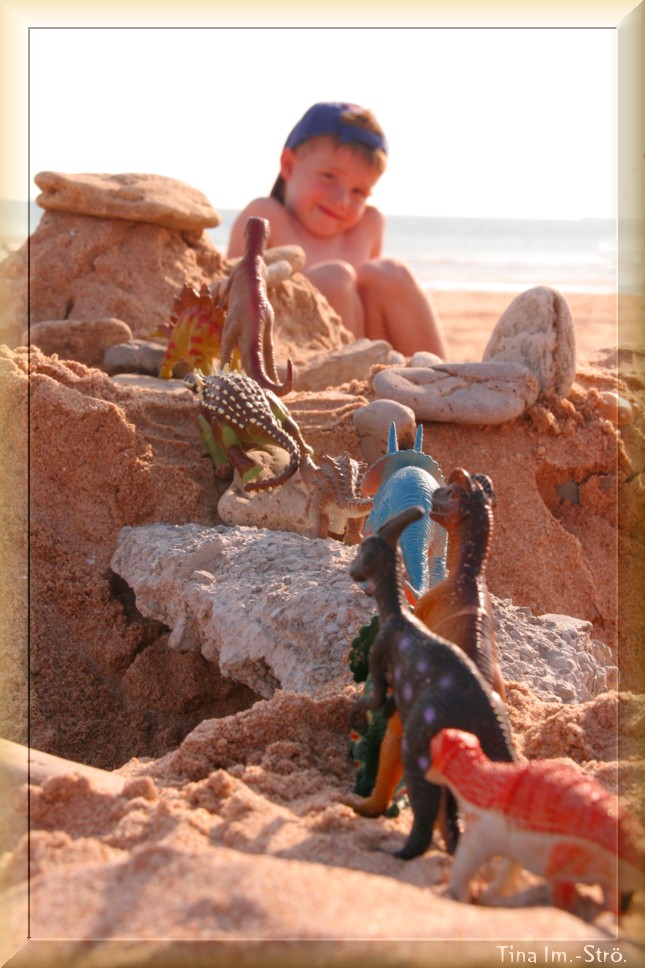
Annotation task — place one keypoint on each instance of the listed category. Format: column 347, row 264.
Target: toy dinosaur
column 543, row 815
column 458, row 609
column 248, row 325
column 335, row 503
column 235, row 414
column 194, row 332
column 434, row 685
column 399, row 480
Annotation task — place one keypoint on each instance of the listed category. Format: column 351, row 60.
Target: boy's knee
column 385, row 274
column 339, row 274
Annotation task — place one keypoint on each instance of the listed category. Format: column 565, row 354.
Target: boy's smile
column 326, row 187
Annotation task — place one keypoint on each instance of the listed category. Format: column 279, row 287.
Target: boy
column 329, row 165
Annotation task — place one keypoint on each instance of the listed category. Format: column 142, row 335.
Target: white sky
column 481, row 122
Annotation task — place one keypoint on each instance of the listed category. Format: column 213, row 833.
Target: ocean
column 459, row 253
column 498, row 255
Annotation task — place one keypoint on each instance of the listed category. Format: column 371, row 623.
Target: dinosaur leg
column 217, row 452
column 471, row 854
column 246, row 467
column 353, row 530
column 448, row 820
column 390, row 770
column 424, row 800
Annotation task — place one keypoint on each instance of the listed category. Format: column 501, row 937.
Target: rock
column 464, row 393
column 351, row 362
column 424, row 358
column 537, row 331
column 281, row 509
column 135, row 356
column 278, row 610
column 273, row 609
column 83, row 340
column 84, row 268
column 372, row 424
column 553, row 654
column 136, row 197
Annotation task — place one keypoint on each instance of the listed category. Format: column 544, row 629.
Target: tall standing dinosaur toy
column 434, row 685
column 458, row 609
column 248, row 325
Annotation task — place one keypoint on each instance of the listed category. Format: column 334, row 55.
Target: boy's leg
column 397, row 309
column 337, row 283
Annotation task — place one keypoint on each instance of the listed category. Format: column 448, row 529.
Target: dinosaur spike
column 391, row 530
column 392, row 445
column 418, row 442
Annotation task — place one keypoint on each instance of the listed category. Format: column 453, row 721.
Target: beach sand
column 468, row 319
column 211, row 826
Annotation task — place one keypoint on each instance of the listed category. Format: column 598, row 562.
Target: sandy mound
column 221, row 816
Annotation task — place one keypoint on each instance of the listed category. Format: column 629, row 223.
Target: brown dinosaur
column 457, row 608
column 335, row 502
column 248, row 325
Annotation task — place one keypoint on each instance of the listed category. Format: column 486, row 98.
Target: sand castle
column 189, row 642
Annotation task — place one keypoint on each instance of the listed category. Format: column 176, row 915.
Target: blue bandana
column 326, row 118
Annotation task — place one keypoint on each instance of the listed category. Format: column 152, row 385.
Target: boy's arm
column 376, row 223
column 267, row 208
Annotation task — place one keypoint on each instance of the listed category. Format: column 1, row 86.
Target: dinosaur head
column 448, row 744
column 464, row 494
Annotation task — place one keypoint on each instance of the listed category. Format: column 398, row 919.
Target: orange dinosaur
column 457, row 608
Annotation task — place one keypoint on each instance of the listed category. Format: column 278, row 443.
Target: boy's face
column 326, row 186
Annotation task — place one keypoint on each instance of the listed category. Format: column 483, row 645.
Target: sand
column 215, row 832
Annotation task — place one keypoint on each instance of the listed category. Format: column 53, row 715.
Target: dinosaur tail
column 280, row 389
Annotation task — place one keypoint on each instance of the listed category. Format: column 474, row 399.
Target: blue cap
column 326, row 118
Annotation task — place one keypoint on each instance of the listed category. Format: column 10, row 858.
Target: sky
column 491, row 123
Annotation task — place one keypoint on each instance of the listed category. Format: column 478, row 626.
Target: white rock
column 537, row 331
column 281, row 509
column 554, row 654
column 424, row 358
column 262, row 605
column 279, row 610
column 467, row 393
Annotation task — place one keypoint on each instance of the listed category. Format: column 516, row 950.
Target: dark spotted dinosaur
column 434, row 684
column 457, row 608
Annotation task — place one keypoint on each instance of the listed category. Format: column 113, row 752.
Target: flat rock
column 372, row 424
column 463, row 393
column 537, row 331
column 272, row 609
column 134, row 356
column 83, row 340
column 279, row 610
column 351, row 362
column 137, row 197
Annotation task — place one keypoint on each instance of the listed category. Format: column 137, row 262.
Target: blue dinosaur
column 399, row 480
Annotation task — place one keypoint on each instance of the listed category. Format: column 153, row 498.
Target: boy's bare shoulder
column 268, row 208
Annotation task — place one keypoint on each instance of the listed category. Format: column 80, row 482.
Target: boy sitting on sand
column 329, row 165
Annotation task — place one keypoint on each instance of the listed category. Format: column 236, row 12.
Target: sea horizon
column 452, row 253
